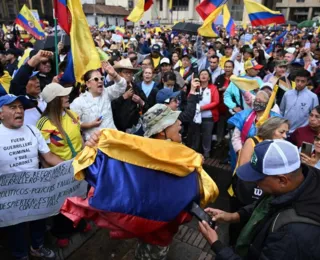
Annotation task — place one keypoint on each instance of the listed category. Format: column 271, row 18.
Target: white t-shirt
column 32, row 115
column 19, row 149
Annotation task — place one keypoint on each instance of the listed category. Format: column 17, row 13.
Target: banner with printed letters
column 37, row 194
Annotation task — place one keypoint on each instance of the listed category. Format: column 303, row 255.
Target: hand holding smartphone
column 201, row 215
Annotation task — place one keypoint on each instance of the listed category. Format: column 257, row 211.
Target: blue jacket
column 239, row 119
column 232, row 94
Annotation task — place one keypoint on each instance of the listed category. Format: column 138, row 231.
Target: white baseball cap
column 53, row 90
column 165, row 60
column 270, row 158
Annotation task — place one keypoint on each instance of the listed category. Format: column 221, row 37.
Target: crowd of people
column 178, row 87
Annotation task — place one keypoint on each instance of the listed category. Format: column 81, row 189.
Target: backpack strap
column 290, row 216
column 255, row 140
column 31, row 130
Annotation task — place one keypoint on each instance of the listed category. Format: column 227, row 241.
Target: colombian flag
column 83, row 56
column 206, row 7
column 27, row 21
column 208, row 29
column 228, row 22
column 141, row 187
column 261, row 15
column 63, row 15
column 138, row 11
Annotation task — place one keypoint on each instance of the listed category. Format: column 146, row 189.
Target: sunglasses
column 96, row 79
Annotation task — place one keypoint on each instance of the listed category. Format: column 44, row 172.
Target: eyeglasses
column 317, row 138
column 96, row 79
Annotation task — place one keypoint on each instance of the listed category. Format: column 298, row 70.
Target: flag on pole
column 206, row 7
column 4, row 29
column 62, row 14
column 228, row 22
column 171, row 5
column 83, row 56
column 208, row 29
column 27, row 21
column 261, row 15
column 138, row 11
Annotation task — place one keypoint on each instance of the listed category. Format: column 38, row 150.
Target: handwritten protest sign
column 37, row 194
column 116, row 38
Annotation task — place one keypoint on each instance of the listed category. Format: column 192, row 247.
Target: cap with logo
column 9, row 98
column 270, row 158
column 252, row 64
column 53, row 90
column 155, row 48
column 164, row 95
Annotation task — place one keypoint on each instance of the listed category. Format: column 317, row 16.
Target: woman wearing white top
column 94, row 106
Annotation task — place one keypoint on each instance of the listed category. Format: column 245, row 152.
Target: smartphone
column 200, row 214
column 306, row 148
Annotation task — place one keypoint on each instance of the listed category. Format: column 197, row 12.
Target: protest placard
column 37, row 194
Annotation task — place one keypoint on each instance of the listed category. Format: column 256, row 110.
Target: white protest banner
column 116, row 38
column 37, row 194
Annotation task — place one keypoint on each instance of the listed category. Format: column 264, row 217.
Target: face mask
column 259, row 106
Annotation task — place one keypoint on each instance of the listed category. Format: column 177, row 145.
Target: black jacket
column 151, row 100
column 187, row 115
column 293, row 241
column 19, row 82
column 11, row 67
column 126, row 113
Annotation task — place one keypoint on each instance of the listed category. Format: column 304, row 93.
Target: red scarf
column 247, row 125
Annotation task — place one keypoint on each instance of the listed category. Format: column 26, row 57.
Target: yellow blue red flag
column 261, row 15
column 208, row 29
column 228, row 22
column 84, row 53
column 26, row 20
column 138, row 11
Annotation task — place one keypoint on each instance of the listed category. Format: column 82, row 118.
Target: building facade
column 299, row 10
column 106, row 11
column 10, row 9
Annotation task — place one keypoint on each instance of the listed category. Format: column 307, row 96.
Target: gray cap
column 158, row 118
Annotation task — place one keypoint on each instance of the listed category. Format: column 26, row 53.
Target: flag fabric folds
column 84, row 54
column 141, row 187
column 138, row 11
column 27, row 21
column 208, row 29
column 4, row 29
column 244, row 83
column 228, row 22
column 62, row 14
column 171, row 6
column 261, row 15
column 206, row 7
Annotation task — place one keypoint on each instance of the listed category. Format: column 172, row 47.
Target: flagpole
column 56, row 42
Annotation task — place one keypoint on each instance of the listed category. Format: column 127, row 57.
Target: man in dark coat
column 285, row 223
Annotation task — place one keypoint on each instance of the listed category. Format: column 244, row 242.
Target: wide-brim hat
column 158, row 118
column 124, row 64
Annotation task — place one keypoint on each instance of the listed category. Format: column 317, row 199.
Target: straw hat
column 125, row 64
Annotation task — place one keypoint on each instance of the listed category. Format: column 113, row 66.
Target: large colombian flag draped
column 141, row 187
column 261, row 15
column 138, row 11
column 83, row 56
column 27, row 21
column 208, row 29
column 228, row 22
column 206, row 7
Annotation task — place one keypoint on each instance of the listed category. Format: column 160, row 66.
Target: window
column 161, row 5
column 130, row 4
column 300, row 1
column 36, row 5
column 180, row 5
